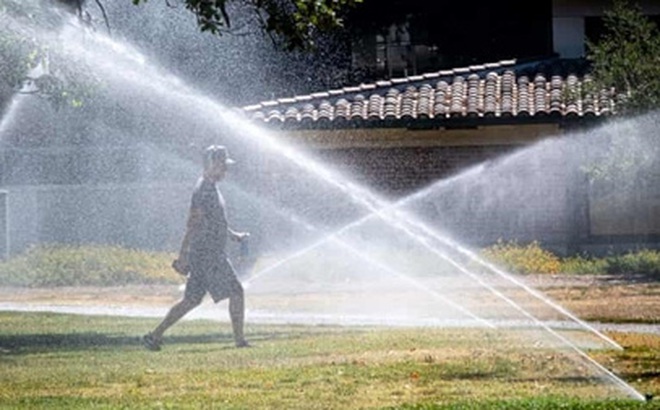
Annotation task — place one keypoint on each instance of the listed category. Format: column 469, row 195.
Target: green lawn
column 68, row 361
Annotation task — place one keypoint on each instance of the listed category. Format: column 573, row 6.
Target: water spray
column 362, row 196
column 334, row 238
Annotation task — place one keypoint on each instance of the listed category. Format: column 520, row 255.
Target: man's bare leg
column 177, row 311
column 237, row 315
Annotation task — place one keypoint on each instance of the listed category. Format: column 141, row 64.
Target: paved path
column 210, row 311
column 154, row 301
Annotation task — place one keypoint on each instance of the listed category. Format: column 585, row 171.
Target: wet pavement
column 155, row 300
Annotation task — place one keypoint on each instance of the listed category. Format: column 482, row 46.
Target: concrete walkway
column 210, row 311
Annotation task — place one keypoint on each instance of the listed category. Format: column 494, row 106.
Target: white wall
column 568, row 36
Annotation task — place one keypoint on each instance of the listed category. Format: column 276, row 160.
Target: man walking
column 202, row 256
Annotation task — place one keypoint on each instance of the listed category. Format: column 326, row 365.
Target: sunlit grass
column 532, row 258
column 102, row 265
column 66, row 361
column 89, row 265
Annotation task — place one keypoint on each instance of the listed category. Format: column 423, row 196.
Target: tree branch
column 263, row 23
column 105, row 15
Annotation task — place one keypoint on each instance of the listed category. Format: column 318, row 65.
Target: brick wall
column 524, row 199
column 404, row 170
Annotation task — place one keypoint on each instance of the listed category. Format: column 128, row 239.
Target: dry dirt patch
column 604, row 298
column 115, row 296
column 590, row 297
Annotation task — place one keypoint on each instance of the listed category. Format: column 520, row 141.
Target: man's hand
column 181, row 266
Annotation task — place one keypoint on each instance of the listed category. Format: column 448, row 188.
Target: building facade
column 404, row 134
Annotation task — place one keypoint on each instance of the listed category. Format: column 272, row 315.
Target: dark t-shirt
column 211, row 238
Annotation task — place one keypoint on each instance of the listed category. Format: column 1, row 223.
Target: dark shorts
column 217, row 277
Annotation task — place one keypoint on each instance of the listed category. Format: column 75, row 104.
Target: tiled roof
column 551, row 88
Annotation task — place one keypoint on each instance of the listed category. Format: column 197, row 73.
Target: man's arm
column 192, row 226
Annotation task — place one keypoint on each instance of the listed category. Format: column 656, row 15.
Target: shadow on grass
column 642, row 375
column 45, row 343
column 638, row 278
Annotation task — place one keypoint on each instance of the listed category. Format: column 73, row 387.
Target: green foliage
column 295, row 21
column 626, row 60
column 82, row 362
column 532, row 258
column 523, row 259
column 584, row 265
column 646, row 262
column 626, row 159
column 26, row 43
column 16, row 57
column 627, row 57
column 59, row 265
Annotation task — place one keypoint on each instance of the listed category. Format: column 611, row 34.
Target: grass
column 58, row 265
column 67, row 361
column 532, row 258
column 89, row 265
column 610, row 301
column 76, row 362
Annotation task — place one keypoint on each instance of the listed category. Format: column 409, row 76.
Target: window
column 439, row 35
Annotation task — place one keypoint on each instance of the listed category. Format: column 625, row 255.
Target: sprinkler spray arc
column 334, row 238
column 376, row 207
column 389, row 213
column 357, row 193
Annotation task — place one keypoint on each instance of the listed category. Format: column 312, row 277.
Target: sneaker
column 150, row 342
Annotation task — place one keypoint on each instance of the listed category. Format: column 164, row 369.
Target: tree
column 293, row 22
column 27, row 63
column 627, row 58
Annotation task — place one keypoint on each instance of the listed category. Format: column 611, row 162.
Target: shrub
column 584, row 265
column 646, row 262
column 523, row 259
column 62, row 265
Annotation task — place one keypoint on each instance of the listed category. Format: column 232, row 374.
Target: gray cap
column 216, row 153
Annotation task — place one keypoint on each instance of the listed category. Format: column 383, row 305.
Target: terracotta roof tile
column 326, row 111
column 358, row 107
column 375, row 106
column 425, row 102
column 490, row 95
column 324, row 94
column 308, row 113
column 343, row 109
column 274, row 115
column 354, row 89
column 441, row 103
column 291, row 114
column 553, row 88
column 400, row 80
column 540, row 95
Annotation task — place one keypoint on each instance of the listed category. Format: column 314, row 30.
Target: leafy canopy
column 294, row 22
column 627, row 58
column 26, row 46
